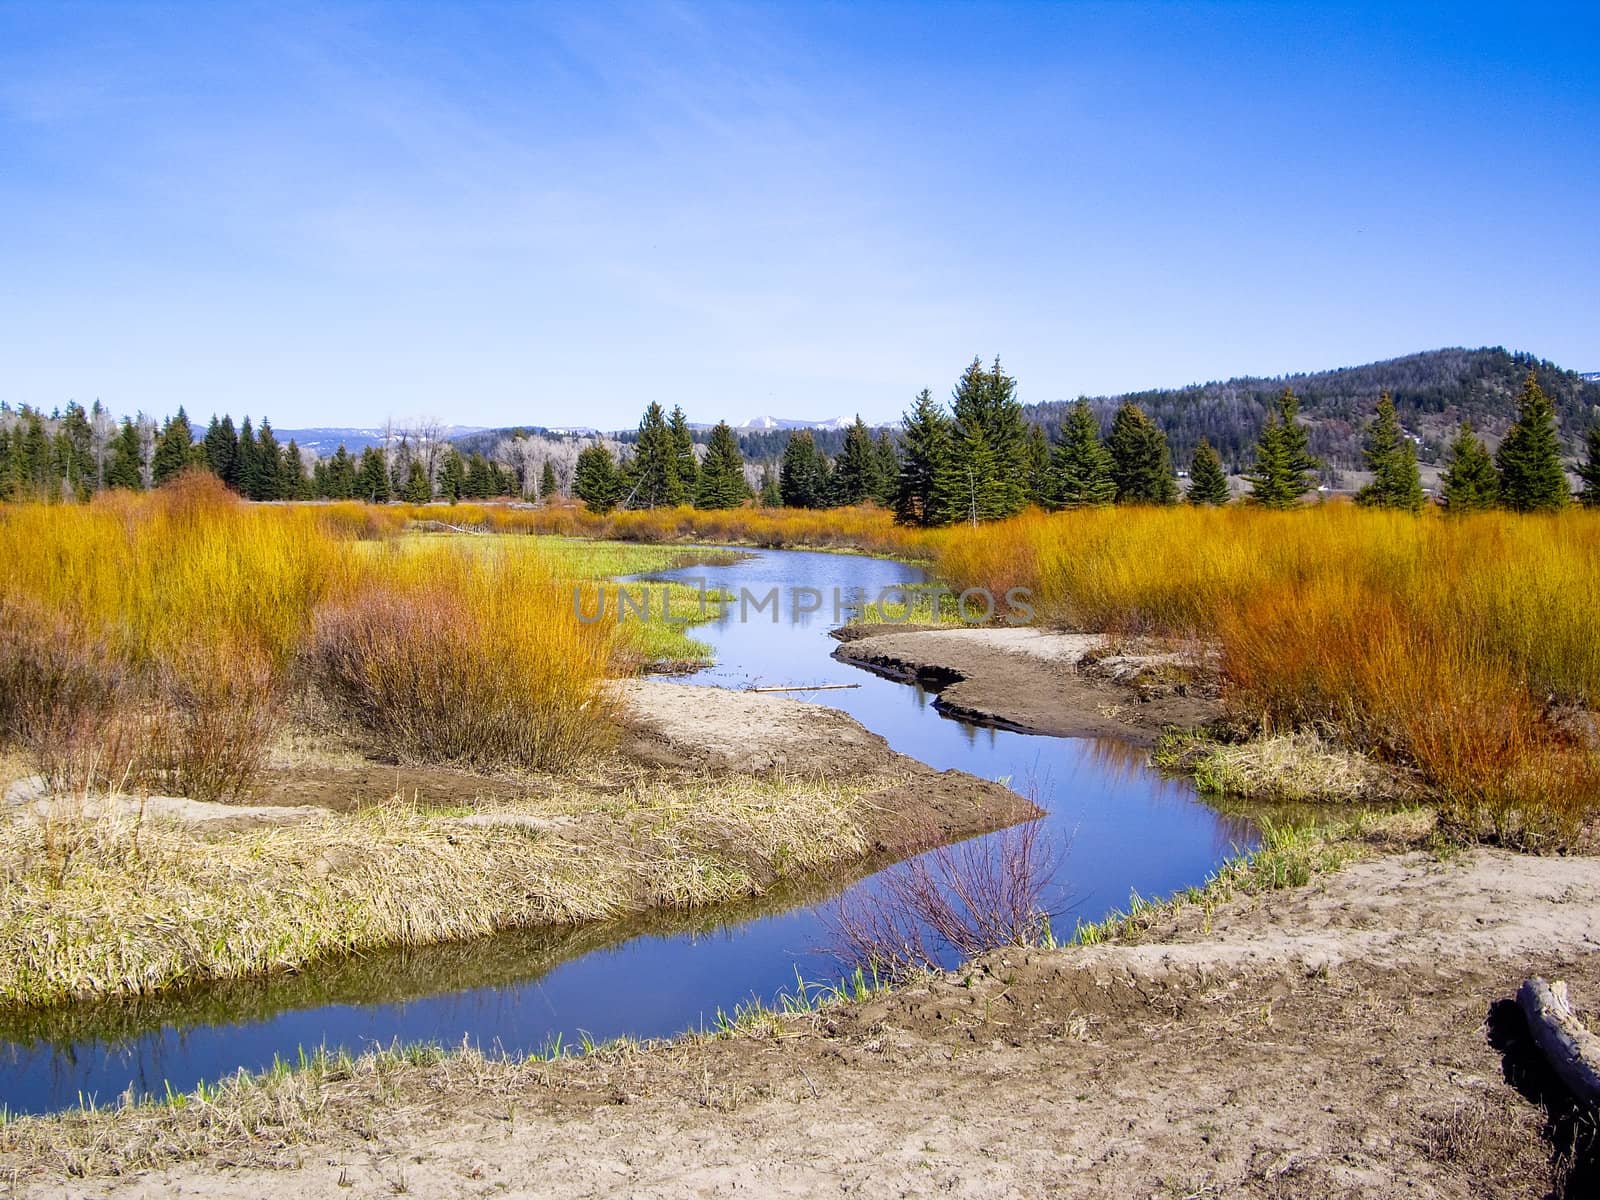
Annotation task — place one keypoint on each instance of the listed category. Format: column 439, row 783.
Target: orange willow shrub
column 1447, row 644
column 443, row 653
column 857, row 528
column 169, row 626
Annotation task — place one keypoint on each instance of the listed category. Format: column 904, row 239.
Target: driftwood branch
column 1572, row 1051
column 806, row 687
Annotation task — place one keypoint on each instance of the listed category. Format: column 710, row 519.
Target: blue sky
column 552, row 214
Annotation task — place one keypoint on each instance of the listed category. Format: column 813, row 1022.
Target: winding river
column 1125, row 828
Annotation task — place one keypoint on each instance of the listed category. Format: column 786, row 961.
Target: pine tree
column 295, row 484
column 1470, row 482
column 341, row 473
column 886, row 475
column 595, row 480
column 1529, row 459
column 989, row 423
column 171, row 454
column 246, row 469
column 683, row 456
column 549, row 489
column 8, row 466
column 222, row 448
column 417, row 488
column 1038, row 465
column 78, row 468
column 928, row 442
column 1392, row 458
column 126, row 468
column 372, row 477
column 854, row 474
column 268, row 465
column 721, row 483
column 1284, row 463
column 770, row 496
column 1208, row 482
column 803, row 476
column 1080, row 464
column 1589, row 472
column 477, row 482
column 452, row 475
column 655, row 469
column 1141, row 463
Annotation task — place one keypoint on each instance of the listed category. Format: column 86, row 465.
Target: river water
column 1124, row 827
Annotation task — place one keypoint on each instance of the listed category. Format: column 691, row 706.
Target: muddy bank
column 1341, row 1039
column 1036, row 681
column 729, row 796
column 677, row 726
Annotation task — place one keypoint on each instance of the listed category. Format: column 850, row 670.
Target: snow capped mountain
column 790, row 423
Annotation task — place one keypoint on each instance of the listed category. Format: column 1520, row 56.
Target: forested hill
column 1433, row 391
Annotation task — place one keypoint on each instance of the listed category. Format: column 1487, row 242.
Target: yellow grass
column 154, row 639
column 1451, row 645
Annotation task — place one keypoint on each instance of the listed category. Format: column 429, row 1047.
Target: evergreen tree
column 1208, row 482
column 683, row 455
column 770, row 495
column 1141, row 464
column 1284, row 463
column 1392, row 458
column 171, row 454
column 1589, row 472
column 295, row 484
column 8, row 466
column 222, row 450
column 1529, row 459
column 1080, row 464
column 246, row 468
column 721, row 483
column 341, row 473
column 452, row 475
column 886, row 480
column 1470, row 482
column 655, row 469
column 478, row 482
column 855, row 473
column 596, row 481
column 549, row 489
column 928, row 442
column 76, row 452
column 1039, row 476
column 126, row 468
column 372, row 477
column 992, row 434
column 803, row 478
column 268, row 483
column 35, row 465
column 417, row 488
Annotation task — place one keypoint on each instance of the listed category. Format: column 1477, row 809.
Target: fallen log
column 806, row 687
column 1571, row 1050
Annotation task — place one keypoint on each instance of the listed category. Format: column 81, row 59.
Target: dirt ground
column 1350, row 1038
column 1037, row 681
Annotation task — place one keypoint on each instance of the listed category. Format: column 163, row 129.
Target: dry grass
column 1290, row 768
column 155, row 639
column 1442, row 645
column 124, row 905
column 867, row 529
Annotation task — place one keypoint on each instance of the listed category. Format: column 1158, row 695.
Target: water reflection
column 1127, row 829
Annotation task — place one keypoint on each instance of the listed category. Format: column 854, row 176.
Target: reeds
column 1457, row 647
column 156, row 638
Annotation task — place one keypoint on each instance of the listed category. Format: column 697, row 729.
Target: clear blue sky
column 551, row 214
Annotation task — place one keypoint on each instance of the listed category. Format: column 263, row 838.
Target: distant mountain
column 1433, row 391
column 763, row 424
column 325, row 440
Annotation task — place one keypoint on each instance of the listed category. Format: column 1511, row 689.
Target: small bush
column 442, row 659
